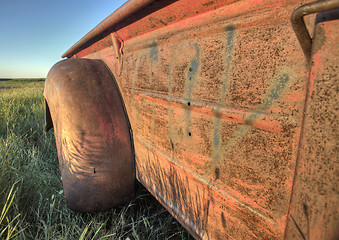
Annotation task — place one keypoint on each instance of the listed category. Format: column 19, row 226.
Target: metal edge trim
column 127, row 9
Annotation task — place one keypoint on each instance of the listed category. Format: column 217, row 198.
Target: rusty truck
column 225, row 110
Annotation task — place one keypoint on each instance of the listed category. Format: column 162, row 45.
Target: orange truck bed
column 234, row 120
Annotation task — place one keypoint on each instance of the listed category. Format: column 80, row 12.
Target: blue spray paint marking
column 224, row 88
column 190, row 82
column 154, row 52
column 244, row 129
column 270, row 98
column 276, row 91
column 170, row 108
column 170, row 79
column 216, row 139
column 135, row 111
column 154, row 59
column 192, row 71
column 229, row 48
column 153, row 55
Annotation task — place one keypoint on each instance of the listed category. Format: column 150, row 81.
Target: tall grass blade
column 8, row 226
column 83, row 234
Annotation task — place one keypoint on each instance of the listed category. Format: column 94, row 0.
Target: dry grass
column 31, row 198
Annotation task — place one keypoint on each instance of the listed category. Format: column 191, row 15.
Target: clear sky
column 35, row 33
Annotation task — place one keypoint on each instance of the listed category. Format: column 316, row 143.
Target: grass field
column 32, row 205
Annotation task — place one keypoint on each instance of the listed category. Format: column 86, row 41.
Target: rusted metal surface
column 299, row 24
column 314, row 212
column 92, row 135
column 215, row 92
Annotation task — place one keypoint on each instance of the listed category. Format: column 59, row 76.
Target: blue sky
column 35, row 33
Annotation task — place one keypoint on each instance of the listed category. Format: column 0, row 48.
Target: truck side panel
column 216, row 104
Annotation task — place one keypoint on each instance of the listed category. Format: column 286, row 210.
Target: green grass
column 6, row 84
column 32, row 204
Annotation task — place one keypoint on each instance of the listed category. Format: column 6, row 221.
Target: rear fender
column 92, row 133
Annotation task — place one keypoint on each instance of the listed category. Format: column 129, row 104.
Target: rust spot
column 217, row 173
column 208, row 4
column 223, row 220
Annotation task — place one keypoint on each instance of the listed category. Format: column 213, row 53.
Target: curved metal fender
column 92, row 135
